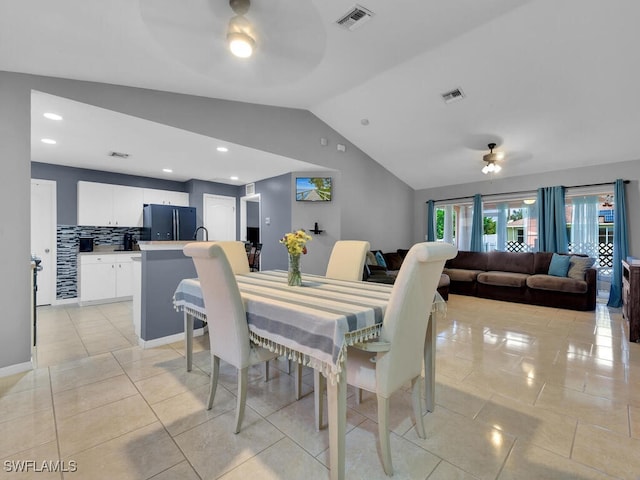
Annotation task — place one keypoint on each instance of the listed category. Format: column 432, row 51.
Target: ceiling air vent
column 118, row 154
column 354, row 18
column 453, row 96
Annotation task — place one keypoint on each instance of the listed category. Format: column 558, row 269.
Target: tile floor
column 522, row 392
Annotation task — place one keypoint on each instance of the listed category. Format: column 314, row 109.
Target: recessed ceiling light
column 234, row 178
column 48, row 141
column 364, row 121
column 167, row 170
column 222, row 149
column 52, row 116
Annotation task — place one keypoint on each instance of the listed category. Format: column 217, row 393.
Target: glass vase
column 294, row 278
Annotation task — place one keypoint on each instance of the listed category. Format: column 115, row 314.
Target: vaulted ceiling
column 553, row 83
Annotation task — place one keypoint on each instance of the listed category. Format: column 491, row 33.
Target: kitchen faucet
column 206, row 233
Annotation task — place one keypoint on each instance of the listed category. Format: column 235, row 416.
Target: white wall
column 374, row 204
column 628, row 170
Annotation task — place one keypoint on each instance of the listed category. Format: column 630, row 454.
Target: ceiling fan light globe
column 485, row 169
column 240, row 44
column 497, row 168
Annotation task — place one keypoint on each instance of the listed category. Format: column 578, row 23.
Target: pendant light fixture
column 491, row 159
column 240, row 32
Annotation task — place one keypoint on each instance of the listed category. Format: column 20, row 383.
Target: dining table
column 313, row 324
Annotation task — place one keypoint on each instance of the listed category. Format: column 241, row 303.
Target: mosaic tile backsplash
column 67, row 244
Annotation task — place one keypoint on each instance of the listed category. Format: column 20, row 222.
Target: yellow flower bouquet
column 296, row 243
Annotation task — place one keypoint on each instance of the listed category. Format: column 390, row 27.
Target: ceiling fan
column 491, row 160
column 200, row 37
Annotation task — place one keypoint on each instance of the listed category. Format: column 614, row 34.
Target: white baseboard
column 156, row 342
column 17, row 368
column 65, row 301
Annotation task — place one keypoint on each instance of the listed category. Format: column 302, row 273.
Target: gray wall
column 275, row 198
column 67, row 179
column 370, row 193
column 629, row 170
column 329, row 218
column 162, row 271
column 15, row 151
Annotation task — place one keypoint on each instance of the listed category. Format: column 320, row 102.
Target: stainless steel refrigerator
column 168, row 222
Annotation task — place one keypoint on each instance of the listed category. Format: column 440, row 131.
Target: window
column 515, row 225
column 590, row 224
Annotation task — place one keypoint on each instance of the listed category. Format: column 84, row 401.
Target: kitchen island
column 161, row 268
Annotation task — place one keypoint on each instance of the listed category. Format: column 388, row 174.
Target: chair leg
column 266, row 371
column 416, row 391
column 242, row 397
column 318, row 391
column 298, row 381
column 188, row 339
column 215, row 371
column 383, row 433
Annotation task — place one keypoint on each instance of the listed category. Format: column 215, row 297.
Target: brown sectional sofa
column 519, row 277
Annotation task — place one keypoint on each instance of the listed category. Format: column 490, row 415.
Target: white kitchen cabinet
column 124, row 276
column 106, row 277
column 106, row 205
column 95, row 204
column 165, row 197
column 127, row 206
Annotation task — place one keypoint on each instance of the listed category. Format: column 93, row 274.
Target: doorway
column 43, row 237
column 219, row 216
column 250, row 218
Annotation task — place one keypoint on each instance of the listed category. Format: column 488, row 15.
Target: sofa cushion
column 578, row 267
column 402, row 252
column 468, row 261
column 462, row 274
column 541, row 262
column 503, row 279
column 380, row 259
column 521, row 262
column 559, row 265
column 371, row 259
column 393, row 261
column 559, row 284
column 445, row 281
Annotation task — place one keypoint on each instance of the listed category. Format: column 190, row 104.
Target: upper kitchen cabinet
column 106, row 205
column 165, row 197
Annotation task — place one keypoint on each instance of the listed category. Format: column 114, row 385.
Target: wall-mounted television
column 313, row 189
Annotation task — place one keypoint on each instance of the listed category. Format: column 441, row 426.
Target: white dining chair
column 383, row 366
column 345, row 263
column 237, row 256
column 228, row 330
column 347, row 260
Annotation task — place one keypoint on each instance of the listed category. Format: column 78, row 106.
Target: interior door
column 220, row 217
column 43, row 237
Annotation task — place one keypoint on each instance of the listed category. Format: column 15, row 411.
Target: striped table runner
column 312, row 324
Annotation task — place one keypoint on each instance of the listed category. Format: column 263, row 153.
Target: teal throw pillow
column 579, row 266
column 559, row 265
column 380, row 259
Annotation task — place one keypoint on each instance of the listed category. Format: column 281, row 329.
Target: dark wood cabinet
column 631, row 299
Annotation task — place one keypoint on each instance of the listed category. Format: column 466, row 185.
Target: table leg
column 188, row 339
column 337, row 400
column 430, row 364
